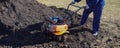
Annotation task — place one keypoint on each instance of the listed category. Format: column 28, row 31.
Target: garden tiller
column 58, row 25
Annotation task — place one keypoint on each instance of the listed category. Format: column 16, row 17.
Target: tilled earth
column 22, row 25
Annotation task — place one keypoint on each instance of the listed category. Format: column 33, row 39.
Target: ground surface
column 22, row 25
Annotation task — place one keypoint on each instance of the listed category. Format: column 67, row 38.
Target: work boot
column 95, row 34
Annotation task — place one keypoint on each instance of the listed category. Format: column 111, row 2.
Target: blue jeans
column 96, row 19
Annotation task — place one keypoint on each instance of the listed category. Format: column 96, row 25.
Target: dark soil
column 22, row 24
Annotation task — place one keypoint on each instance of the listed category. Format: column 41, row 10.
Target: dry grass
column 60, row 3
column 111, row 10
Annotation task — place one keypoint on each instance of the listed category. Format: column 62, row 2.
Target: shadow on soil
column 2, row 1
column 30, row 35
column 26, row 38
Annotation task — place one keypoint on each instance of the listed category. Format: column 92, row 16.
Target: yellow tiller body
column 59, row 29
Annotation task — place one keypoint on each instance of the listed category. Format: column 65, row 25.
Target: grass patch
column 111, row 10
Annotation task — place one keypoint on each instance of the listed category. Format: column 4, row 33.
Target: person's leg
column 85, row 16
column 96, row 21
